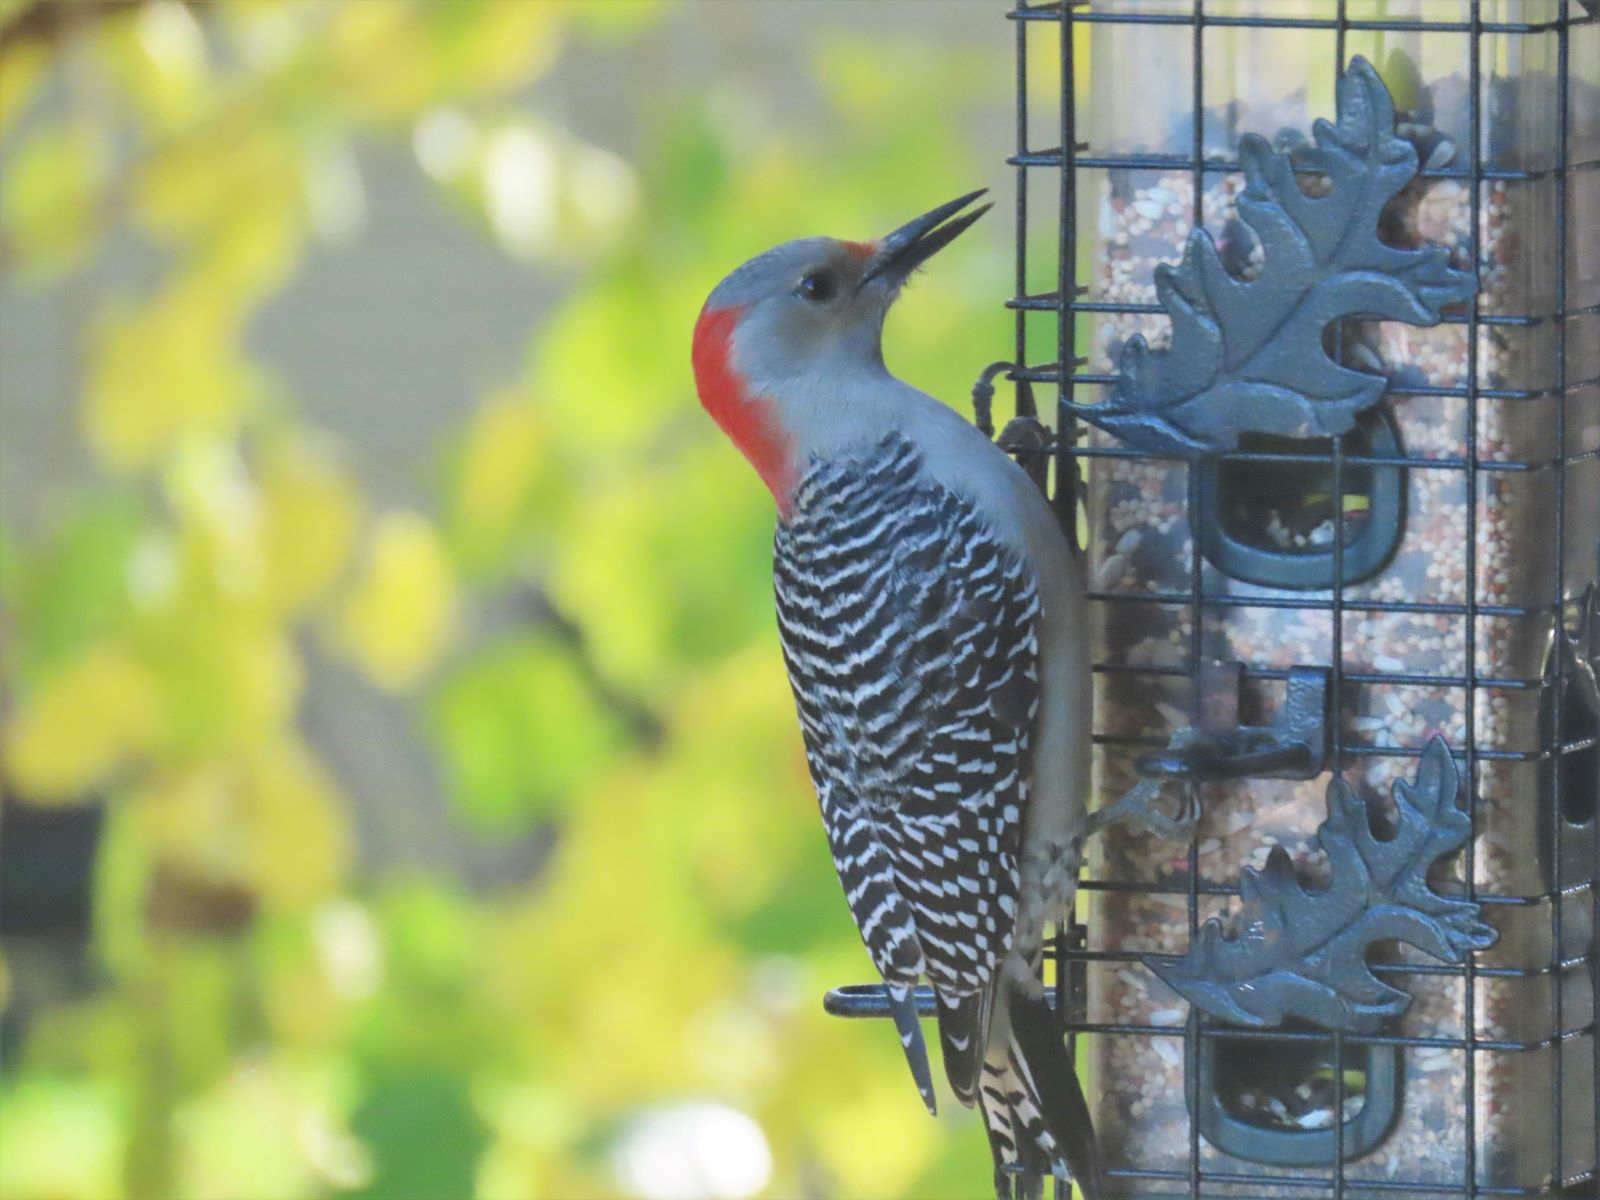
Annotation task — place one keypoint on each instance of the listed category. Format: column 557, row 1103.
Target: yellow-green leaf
column 80, row 724
column 400, row 616
column 54, row 190
column 163, row 372
column 309, row 512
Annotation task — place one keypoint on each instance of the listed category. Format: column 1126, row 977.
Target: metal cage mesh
column 1064, row 169
column 1515, row 1113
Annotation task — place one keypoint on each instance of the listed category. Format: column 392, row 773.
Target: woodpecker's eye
column 817, row 287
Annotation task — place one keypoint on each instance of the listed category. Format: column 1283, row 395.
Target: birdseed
column 1139, row 544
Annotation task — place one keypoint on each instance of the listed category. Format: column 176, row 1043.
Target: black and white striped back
column 910, row 634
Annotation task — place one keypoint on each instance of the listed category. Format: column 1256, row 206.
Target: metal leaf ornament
column 1248, row 355
column 1299, row 953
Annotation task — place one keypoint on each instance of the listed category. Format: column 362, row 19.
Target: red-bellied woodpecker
column 933, row 624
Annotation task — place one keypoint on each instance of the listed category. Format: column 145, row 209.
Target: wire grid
column 1061, row 20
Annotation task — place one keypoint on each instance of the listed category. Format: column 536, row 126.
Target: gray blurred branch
column 642, row 721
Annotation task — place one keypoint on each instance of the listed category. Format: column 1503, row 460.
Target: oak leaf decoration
column 1249, row 354
column 1301, row 953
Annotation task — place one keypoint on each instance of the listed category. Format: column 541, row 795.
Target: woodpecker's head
column 777, row 336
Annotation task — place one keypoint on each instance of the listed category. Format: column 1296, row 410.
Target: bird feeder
column 1316, row 284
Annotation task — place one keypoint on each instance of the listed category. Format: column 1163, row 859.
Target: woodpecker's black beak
column 908, row 247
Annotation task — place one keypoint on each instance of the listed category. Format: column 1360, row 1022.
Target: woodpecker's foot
column 1138, row 809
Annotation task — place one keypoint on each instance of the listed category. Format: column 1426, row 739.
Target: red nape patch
column 749, row 421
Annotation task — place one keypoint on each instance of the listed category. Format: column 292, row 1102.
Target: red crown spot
column 862, row 250
column 749, row 421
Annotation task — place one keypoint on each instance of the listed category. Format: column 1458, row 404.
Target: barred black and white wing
column 910, row 634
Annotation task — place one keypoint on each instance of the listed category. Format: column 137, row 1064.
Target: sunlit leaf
column 617, row 20
column 390, row 60
column 671, row 567
column 61, row 1139
column 80, row 724
column 380, row 57
column 431, row 1008
column 600, row 399
column 238, row 201
column 299, row 839
column 159, row 61
column 492, row 46
column 521, row 730
column 498, row 469
column 268, row 1130
column 72, row 588
column 268, row 822
column 53, row 195
column 732, row 800
column 401, row 613
column 223, row 690
column 430, row 935
column 873, row 1141
column 691, row 176
column 193, row 818
column 167, row 370
column 309, row 512
column 121, row 879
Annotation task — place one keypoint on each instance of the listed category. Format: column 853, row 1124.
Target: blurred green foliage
column 263, row 1021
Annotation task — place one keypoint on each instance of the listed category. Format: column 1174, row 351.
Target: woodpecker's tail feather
column 903, row 1004
column 963, row 1030
column 1033, row 1105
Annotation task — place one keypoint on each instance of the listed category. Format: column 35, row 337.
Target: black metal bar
column 1309, row 603
column 1051, row 12
column 1020, row 346
column 1434, row 1191
column 1476, row 157
column 1412, row 462
column 1486, row 682
column 869, row 1001
column 1066, row 481
column 1557, row 857
column 1287, row 1036
column 1067, row 284
column 1336, row 677
column 1419, row 464
column 1047, row 301
column 1158, row 888
column 1192, row 789
column 1050, row 372
column 1152, row 742
column 1051, row 158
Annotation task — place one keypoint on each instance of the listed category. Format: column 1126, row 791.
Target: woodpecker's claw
column 1137, row 808
column 908, row 247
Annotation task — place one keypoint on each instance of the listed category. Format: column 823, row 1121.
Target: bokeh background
column 402, row 796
